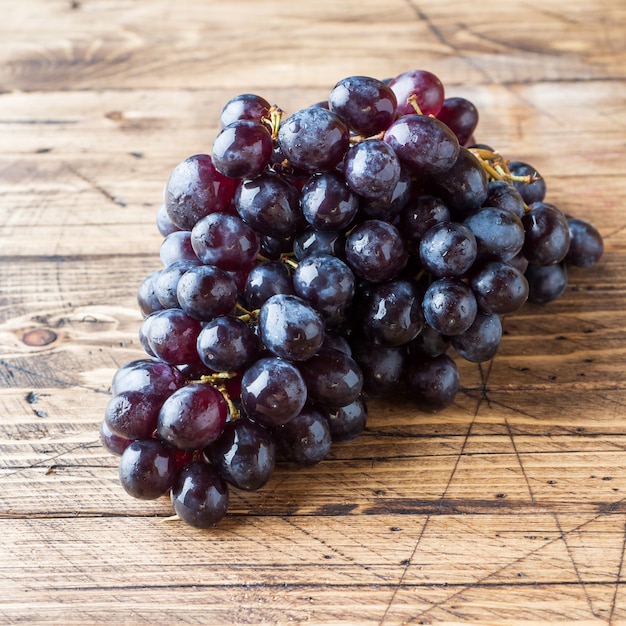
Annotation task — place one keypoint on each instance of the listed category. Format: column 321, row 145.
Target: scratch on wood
column 519, row 460
column 617, row 580
column 96, row 186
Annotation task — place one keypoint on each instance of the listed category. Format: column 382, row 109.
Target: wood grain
column 507, row 508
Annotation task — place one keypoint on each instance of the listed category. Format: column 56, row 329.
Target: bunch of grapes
column 353, row 249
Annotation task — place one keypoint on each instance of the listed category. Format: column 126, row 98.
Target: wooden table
column 508, row 507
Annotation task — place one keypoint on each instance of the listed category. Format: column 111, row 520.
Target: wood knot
column 39, row 337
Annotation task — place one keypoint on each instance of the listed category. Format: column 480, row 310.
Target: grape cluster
column 350, row 250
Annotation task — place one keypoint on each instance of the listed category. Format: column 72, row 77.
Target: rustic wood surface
column 509, row 507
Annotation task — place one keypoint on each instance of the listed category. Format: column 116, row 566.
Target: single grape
column 432, row 382
column 290, row 328
column 273, row 248
column 177, row 247
column 333, row 378
column 546, row 282
column 461, row 116
column 155, row 378
column 244, row 454
column 504, row 195
column 585, row 246
column 449, row 306
column 242, row 149
column 390, row 313
column 272, row 391
column 192, row 417
column 327, row 284
column 166, row 284
column 146, row 294
column 313, row 139
column 388, row 206
column 147, row 469
column 423, row 144
column 205, row 291
column 481, row 340
column 366, row 105
column 534, row 191
column 266, row 280
column 270, row 205
column 196, row 189
column 171, row 335
column 111, row 442
column 305, row 439
column 372, row 168
column 376, row 251
column 547, row 234
column 164, row 224
column 132, row 414
column 327, row 202
column 428, row 343
column 465, row 186
column 448, row 249
column 245, row 106
column 424, row 85
column 381, row 366
column 499, row 287
column 499, row 233
column 225, row 241
column 347, row 422
column 420, row 214
column 200, row 495
column 227, row 344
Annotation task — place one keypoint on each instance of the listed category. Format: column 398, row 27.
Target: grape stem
column 275, row 115
column 232, row 409
column 497, row 167
column 412, row 100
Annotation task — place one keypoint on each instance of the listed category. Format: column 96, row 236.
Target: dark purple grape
column 372, row 169
column 147, row 469
column 334, row 340
column 546, row 282
column 432, row 382
column 245, row 106
column 290, row 328
column 376, row 251
column 272, row 391
column 347, row 422
column 390, row 313
column 192, row 417
column 225, row 241
column 111, row 442
column 177, row 247
column 305, row 439
column 333, row 379
column 381, row 366
column 242, row 149
column 227, row 344
column 499, row 287
column 313, row 139
column 205, row 291
column 270, row 205
column 327, row 284
column 585, row 246
column 448, row 249
column 266, row 280
column 154, row 378
column 195, row 189
column 504, row 195
column 465, row 186
column 327, row 202
column 460, row 116
column 200, row 495
column 422, row 84
column 166, row 284
column 547, row 234
column 449, row 306
column 519, row 262
column 423, row 144
column 146, row 294
column 366, row 105
column 274, row 247
column 312, row 241
column 387, row 207
column 481, row 340
column 171, row 335
column 499, row 233
column 132, row 414
column 531, row 192
column 421, row 214
column 244, row 454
